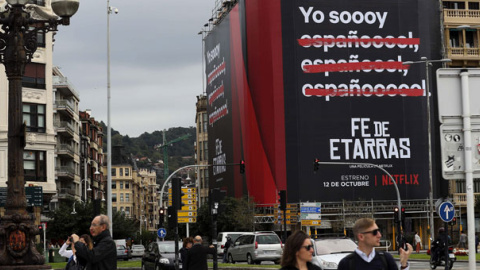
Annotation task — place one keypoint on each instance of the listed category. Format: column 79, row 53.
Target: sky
column 155, row 61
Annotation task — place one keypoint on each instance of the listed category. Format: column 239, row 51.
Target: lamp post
column 109, row 127
column 140, row 231
column 85, row 163
column 428, row 63
column 18, row 43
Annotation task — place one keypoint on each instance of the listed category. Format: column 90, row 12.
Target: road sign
column 446, row 211
column 189, row 208
column 186, row 220
column 311, row 211
column 161, row 233
column 311, row 222
column 187, row 213
column 34, row 196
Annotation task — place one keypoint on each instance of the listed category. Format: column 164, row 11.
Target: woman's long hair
column 292, row 246
column 88, row 241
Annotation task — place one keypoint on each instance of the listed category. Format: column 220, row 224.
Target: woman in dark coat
column 297, row 253
column 187, row 244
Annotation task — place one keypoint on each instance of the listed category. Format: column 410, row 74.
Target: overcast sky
column 155, row 61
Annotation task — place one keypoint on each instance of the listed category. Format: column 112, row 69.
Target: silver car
column 255, row 248
column 138, row 250
column 329, row 251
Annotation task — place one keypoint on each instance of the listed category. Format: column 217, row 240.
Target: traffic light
column 403, row 215
column 454, row 221
column 315, row 165
column 177, row 193
column 40, row 229
column 161, row 214
column 283, row 200
column 242, row 166
column 395, row 215
column 172, row 217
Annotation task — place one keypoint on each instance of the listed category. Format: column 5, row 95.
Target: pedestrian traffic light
column 172, row 217
column 315, row 165
column 395, row 215
column 177, row 193
column 242, row 166
column 161, row 218
column 283, row 200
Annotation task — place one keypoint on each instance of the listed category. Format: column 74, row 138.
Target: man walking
column 197, row 255
column 103, row 256
column 365, row 257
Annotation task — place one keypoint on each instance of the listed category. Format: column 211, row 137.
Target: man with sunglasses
column 368, row 235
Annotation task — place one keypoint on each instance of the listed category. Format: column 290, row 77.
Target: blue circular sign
column 446, row 211
column 161, row 233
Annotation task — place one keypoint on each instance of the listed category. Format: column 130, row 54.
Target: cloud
column 155, row 61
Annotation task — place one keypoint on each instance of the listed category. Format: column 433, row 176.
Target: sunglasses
column 373, row 232
column 308, row 247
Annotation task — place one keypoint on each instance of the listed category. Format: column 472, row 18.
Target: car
column 123, row 253
column 138, row 250
column 160, row 256
column 255, row 248
column 329, row 251
column 222, row 239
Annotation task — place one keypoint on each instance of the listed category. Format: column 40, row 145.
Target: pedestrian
column 227, row 245
column 68, row 253
column 187, row 244
column 197, row 255
column 476, row 243
column 103, row 256
column 368, row 236
column 418, row 242
column 297, row 253
column 74, row 263
column 463, row 240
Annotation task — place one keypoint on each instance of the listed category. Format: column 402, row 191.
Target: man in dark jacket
column 103, row 256
column 197, row 255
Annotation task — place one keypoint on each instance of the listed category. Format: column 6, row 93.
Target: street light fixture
column 18, row 43
column 428, row 63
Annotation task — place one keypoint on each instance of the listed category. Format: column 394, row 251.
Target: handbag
column 74, row 265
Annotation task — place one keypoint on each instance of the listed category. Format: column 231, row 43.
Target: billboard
column 325, row 79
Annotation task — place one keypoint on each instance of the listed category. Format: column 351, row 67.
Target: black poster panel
column 219, row 105
column 349, row 98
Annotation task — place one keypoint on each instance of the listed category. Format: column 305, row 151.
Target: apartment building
column 66, row 123
column 201, row 149
column 93, row 180
column 461, row 32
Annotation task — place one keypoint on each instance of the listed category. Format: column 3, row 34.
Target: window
column 127, row 185
column 34, row 76
column 114, row 172
column 127, row 211
column 114, row 197
column 205, row 150
column 114, row 209
column 114, row 184
column 121, row 197
column 121, row 184
column 38, row 2
column 41, row 39
column 470, row 35
column 453, row 5
column 200, row 148
column 34, row 116
column 473, row 5
column 127, row 172
column 127, row 197
column 121, row 172
column 455, row 37
column 35, row 166
column 205, row 122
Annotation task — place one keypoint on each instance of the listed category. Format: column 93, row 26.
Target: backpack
column 351, row 260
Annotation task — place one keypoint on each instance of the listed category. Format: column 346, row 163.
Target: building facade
column 201, row 149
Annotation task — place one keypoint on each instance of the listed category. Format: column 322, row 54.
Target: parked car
column 255, row 248
column 138, row 250
column 123, row 253
column 222, row 239
column 329, row 251
column 160, row 255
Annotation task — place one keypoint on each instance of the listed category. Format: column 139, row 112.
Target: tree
column 235, row 215
column 123, row 227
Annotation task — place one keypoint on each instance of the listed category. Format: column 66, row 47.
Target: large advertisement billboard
column 294, row 81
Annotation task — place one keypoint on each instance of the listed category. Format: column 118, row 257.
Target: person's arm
column 103, row 250
column 64, row 252
column 404, row 255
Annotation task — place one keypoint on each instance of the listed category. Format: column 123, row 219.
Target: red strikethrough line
column 353, row 66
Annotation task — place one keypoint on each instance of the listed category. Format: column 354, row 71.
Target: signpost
column 311, row 214
column 161, row 233
column 34, row 196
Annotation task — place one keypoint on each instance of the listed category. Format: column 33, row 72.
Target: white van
column 222, row 239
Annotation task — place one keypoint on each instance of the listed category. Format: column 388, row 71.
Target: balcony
column 64, row 86
column 64, row 106
column 461, row 16
column 66, row 173
column 460, row 199
column 65, row 193
column 64, row 128
column 65, row 150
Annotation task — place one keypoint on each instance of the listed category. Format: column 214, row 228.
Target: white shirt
column 417, row 239
column 64, row 252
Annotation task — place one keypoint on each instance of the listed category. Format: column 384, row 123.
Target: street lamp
column 109, row 127
column 86, row 177
column 140, row 231
column 18, row 43
column 428, row 63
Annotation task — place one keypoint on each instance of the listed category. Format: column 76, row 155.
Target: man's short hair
column 197, row 239
column 361, row 225
column 104, row 220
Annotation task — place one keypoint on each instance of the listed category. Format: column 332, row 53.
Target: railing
column 464, row 52
column 59, row 81
column 66, row 191
column 65, row 171
column 64, row 104
column 461, row 198
column 65, row 149
column 66, row 126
